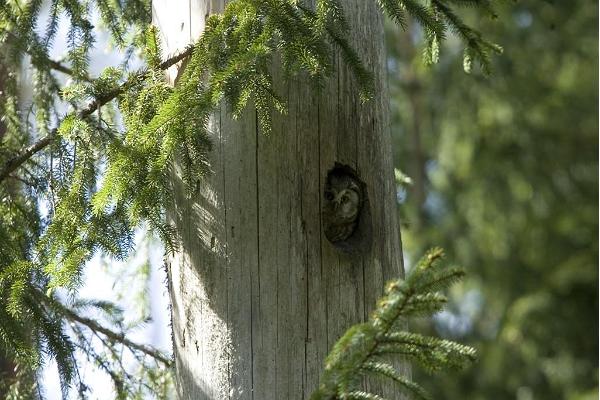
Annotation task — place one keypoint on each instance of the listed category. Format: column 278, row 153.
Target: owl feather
column 342, row 204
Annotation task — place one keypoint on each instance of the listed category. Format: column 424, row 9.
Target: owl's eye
column 328, row 196
column 344, row 199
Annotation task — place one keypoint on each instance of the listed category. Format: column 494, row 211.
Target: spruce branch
column 41, row 56
column 363, row 349
column 72, row 316
column 15, row 162
column 55, row 65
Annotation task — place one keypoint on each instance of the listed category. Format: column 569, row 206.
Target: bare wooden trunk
column 259, row 295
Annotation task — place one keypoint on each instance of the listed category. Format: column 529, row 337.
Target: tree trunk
column 259, row 295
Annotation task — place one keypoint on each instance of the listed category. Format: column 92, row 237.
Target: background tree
column 510, row 183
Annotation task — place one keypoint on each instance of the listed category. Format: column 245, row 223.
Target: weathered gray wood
column 258, row 294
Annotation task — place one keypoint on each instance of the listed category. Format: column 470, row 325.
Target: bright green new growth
column 97, row 182
column 366, row 349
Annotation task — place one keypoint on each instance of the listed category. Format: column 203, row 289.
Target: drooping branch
column 110, row 334
column 26, row 154
column 117, row 336
column 15, row 162
column 53, row 64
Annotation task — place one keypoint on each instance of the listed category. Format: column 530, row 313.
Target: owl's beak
column 337, row 201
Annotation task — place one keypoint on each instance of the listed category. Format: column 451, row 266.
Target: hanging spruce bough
column 77, row 184
column 366, row 349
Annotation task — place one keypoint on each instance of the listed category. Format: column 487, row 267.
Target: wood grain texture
column 258, row 294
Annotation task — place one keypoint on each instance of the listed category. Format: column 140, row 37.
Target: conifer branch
column 53, row 64
column 110, row 334
column 15, row 162
column 363, row 349
column 57, row 66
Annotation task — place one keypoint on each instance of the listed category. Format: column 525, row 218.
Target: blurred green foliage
column 504, row 175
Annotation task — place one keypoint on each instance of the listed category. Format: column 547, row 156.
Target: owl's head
column 344, row 198
column 345, row 210
column 344, row 195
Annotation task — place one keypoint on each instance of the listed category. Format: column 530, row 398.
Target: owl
column 343, row 201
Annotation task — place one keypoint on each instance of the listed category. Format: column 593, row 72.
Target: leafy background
column 504, row 176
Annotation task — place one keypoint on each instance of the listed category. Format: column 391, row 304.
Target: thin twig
column 88, row 349
column 55, row 65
